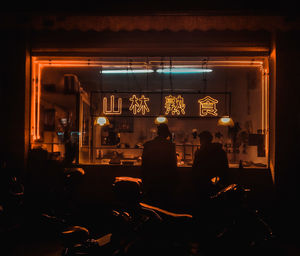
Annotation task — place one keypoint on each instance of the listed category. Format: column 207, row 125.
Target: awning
column 173, row 23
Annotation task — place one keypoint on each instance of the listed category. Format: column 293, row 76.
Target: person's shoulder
column 149, row 142
column 168, row 143
column 158, row 141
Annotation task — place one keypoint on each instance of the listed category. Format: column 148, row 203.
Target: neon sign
column 175, row 105
column 112, row 110
column 139, row 104
column 208, row 106
column 153, row 104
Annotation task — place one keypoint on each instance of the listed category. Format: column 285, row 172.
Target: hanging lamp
column 101, row 120
column 160, row 119
column 226, row 120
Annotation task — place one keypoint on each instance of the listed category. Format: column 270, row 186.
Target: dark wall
column 287, row 122
column 150, row 43
column 12, row 97
column 287, row 108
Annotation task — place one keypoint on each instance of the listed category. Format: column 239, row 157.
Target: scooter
column 11, row 200
column 136, row 228
column 60, row 218
column 231, row 225
column 228, row 225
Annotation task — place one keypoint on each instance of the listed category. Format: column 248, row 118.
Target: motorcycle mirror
column 215, row 180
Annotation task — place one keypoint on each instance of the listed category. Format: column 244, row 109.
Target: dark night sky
column 134, row 7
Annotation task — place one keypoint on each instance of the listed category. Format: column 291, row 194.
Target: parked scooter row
column 231, row 225
column 136, row 228
column 63, row 214
column 225, row 225
column 224, row 222
column 11, row 199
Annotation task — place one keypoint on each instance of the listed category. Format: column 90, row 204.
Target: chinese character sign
column 112, row 110
column 208, row 106
column 174, row 105
column 152, row 103
column 139, row 104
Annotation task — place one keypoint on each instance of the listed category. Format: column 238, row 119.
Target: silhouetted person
column 112, row 138
column 70, row 148
column 209, row 161
column 159, row 168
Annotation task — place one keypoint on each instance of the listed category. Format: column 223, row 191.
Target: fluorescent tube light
column 124, row 71
column 183, row 70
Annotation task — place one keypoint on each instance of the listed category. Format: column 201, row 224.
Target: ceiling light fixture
column 102, row 121
column 161, row 120
column 124, row 71
column 184, row 70
column 165, row 71
column 225, row 121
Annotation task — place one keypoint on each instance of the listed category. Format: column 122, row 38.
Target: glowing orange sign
column 112, row 110
column 175, row 105
column 139, row 104
column 208, row 106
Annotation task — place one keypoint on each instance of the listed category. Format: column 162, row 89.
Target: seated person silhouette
column 159, row 168
column 210, row 161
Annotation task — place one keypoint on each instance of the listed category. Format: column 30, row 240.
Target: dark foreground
column 27, row 233
column 35, row 239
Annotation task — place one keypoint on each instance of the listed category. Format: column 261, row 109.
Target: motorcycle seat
column 167, row 214
column 74, row 234
column 74, row 171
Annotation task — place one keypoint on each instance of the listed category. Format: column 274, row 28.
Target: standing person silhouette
column 70, row 147
column 159, row 168
column 209, row 161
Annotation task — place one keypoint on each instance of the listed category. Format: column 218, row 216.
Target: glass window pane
column 70, row 94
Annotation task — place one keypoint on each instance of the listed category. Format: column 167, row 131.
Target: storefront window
column 102, row 110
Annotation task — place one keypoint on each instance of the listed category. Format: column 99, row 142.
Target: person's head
column 205, row 137
column 163, row 131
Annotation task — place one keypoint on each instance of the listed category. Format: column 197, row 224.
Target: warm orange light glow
column 33, row 104
column 102, row 121
column 225, row 121
column 38, row 103
column 161, row 120
column 127, row 178
column 215, row 180
column 265, row 107
column 57, row 62
column 267, row 111
column 36, row 88
column 166, row 212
